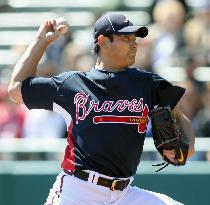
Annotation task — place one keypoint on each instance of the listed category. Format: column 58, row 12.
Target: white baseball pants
column 69, row 190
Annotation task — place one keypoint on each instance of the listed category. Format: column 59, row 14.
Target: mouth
column 132, row 53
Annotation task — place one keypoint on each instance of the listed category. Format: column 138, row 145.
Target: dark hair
column 96, row 47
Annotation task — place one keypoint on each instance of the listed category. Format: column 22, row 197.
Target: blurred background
column 177, row 48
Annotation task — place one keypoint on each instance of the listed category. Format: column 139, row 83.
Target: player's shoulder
column 140, row 73
column 66, row 75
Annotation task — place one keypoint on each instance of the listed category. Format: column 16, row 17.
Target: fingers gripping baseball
column 51, row 30
column 59, row 27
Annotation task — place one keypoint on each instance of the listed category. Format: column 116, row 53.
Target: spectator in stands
column 54, row 52
column 197, row 33
column 76, row 57
column 190, row 65
column 203, row 116
column 11, row 117
column 167, row 33
column 144, row 59
column 190, row 102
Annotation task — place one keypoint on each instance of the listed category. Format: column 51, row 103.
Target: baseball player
column 106, row 111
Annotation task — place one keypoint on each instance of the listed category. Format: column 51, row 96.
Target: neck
column 101, row 65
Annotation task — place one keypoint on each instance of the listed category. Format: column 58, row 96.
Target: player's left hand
column 168, row 138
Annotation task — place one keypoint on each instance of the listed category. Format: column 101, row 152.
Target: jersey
column 106, row 114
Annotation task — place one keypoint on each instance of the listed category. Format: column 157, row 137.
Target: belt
column 113, row 184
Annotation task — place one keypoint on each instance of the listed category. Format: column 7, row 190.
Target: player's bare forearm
column 27, row 65
column 186, row 127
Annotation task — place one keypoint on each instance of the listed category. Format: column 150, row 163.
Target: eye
column 130, row 38
column 126, row 38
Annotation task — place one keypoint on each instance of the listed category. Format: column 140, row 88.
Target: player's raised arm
column 26, row 67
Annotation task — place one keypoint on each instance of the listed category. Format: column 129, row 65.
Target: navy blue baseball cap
column 119, row 24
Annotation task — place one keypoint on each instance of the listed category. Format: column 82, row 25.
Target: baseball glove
column 167, row 135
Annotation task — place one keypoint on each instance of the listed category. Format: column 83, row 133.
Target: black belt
column 113, row 184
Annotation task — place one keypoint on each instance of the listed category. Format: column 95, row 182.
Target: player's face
column 123, row 49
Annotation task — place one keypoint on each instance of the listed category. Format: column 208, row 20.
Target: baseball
column 60, row 28
column 61, row 25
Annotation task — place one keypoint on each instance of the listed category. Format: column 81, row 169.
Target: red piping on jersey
column 58, row 192
column 69, row 159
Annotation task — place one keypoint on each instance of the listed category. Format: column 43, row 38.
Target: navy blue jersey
column 106, row 114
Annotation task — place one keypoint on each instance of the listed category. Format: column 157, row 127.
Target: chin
column 131, row 62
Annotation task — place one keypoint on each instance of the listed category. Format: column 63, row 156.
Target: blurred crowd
column 178, row 37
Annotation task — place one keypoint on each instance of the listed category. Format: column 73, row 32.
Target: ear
column 102, row 41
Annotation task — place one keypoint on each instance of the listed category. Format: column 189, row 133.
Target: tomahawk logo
column 134, row 106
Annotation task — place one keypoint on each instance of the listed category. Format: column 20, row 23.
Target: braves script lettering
column 80, row 100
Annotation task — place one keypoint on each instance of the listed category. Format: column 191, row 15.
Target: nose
column 134, row 45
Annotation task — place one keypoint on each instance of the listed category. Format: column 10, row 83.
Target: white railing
column 10, row 164
column 58, row 145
